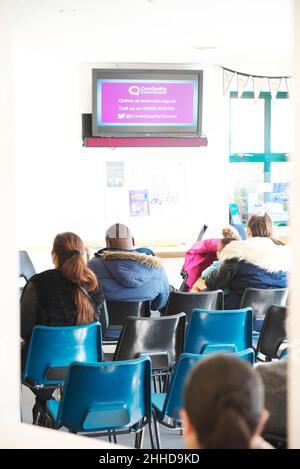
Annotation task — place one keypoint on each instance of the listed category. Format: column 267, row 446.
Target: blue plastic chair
column 106, row 398
column 216, row 331
column 167, row 405
column 53, row 349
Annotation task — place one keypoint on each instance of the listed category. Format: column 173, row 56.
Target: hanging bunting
column 227, row 78
column 274, row 84
column 242, row 81
column 258, row 83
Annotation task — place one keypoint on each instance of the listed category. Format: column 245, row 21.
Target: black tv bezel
column 134, row 131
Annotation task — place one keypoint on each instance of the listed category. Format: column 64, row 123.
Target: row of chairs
column 83, row 343
column 161, row 338
column 93, row 402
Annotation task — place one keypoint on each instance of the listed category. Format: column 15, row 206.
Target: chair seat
column 158, row 400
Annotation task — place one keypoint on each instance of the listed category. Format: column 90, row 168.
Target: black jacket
column 48, row 299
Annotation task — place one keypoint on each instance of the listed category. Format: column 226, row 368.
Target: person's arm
column 214, row 266
column 28, row 311
column 221, row 278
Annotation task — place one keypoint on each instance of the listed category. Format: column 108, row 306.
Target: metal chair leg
column 139, row 439
column 156, row 429
column 151, row 435
column 154, row 384
column 115, row 438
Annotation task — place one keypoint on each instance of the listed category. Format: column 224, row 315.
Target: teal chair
column 216, row 331
column 166, row 406
column 108, row 398
column 53, row 348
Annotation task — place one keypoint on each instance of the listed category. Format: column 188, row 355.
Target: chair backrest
column 26, row 267
column 106, row 396
column 211, row 331
column 53, row 349
column 118, row 311
column 185, row 302
column 174, row 398
column 260, row 299
column 161, row 338
column 273, row 331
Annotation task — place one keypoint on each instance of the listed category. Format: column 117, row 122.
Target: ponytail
column 70, row 250
column 229, row 432
column 223, row 399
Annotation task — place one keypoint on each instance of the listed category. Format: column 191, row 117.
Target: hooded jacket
column 131, row 276
column 253, row 263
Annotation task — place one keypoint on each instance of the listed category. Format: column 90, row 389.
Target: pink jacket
column 202, row 254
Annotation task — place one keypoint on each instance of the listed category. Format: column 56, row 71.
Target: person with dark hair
column 67, row 295
column 258, row 262
column 126, row 274
column 223, row 405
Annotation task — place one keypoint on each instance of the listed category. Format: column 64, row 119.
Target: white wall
column 64, row 184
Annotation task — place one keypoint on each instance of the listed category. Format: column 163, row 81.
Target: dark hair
column 223, row 399
column 69, row 249
column 261, row 226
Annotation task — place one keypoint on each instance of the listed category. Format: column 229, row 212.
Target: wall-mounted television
column 147, row 103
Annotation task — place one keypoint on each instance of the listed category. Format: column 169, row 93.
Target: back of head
column 225, row 241
column 223, row 399
column 230, row 232
column 260, row 225
column 119, row 236
column 70, row 252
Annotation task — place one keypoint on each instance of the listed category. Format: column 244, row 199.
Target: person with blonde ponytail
column 67, row 295
column 224, row 405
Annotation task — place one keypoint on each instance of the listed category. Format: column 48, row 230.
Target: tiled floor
column 170, row 439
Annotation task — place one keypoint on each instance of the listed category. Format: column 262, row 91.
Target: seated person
column 274, row 377
column 128, row 275
column 56, row 298
column 199, row 285
column 258, row 262
column 223, row 405
column 201, row 255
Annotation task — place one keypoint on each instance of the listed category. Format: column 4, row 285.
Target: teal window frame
column 267, row 157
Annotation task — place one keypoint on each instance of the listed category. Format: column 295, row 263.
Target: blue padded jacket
column 131, row 276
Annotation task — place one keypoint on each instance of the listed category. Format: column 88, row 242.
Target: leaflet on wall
column 115, row 173
column 139, row 203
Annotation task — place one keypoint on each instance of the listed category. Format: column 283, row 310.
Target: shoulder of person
column 262, row 252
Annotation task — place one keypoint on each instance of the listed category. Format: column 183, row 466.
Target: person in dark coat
column 55, row 298
column 126, row 274
column 258, row 262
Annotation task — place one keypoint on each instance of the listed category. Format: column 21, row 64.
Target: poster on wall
column 139, row 203
column 115, row 173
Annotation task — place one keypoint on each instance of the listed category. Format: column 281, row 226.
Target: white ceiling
column 251, row 36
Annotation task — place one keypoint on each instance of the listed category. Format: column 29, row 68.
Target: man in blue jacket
column 125, row 274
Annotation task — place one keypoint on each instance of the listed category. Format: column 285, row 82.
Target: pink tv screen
column 146, row 103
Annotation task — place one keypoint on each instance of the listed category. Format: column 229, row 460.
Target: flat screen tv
column 147, row 103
